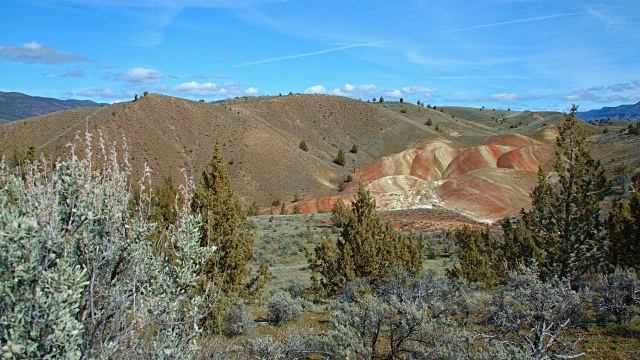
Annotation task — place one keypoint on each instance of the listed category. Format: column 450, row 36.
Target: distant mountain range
column 15, row 106
column 622, row 112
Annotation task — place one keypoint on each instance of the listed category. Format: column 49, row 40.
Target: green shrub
column 404, row 320
column 340, row 159
column 618, row 295
column 281, row 307
column 237, row 320
column 530, row 317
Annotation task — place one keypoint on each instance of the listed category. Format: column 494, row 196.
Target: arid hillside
column 485, row 182
column 259, row 137
column 477, row 162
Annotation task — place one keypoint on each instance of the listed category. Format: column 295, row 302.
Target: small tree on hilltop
column 303, row 146
column 354, row 149
column 381, row 100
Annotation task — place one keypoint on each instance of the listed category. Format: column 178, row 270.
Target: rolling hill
column 16, row 106
column 481, row 163
column 259, row 137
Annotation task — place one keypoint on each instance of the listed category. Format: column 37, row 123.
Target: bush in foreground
column 79, row 276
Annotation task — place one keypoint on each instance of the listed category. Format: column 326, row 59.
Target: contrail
column 481, row 77
column 264, row 61
column 508, row 22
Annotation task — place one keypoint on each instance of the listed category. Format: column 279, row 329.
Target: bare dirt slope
column 259, row 137
column 485, row 182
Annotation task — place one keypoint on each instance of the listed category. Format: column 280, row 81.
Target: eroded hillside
column 477, row 162
column 485, row 182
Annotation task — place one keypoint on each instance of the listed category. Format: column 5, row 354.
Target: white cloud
column 621, row 92
column 105, row 94
column 198, row 89
column 252, row 91
column 505, row 98
column 316, row 89
column 393, row 93
column 140, row 75
column 194, row 88
column 411, row 90
column 583, row 95
column 36, row 53
column 350, row 90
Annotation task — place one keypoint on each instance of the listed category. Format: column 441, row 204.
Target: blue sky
column 522, row 54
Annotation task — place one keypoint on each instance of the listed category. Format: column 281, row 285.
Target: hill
column 622, row 112
column 477, row 162
column 259, row 137
column 16, row 106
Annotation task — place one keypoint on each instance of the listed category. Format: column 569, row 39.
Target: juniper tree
column 253, row 209
column 340, row 159
column 564, row 221
column 164, row 203
column 623, row 227
column 223, row 227
column 480, row 257
column 367, row 249
column 303, row 146
column 340, row 213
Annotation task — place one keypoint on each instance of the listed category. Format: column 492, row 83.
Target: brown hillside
column 259, row 138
